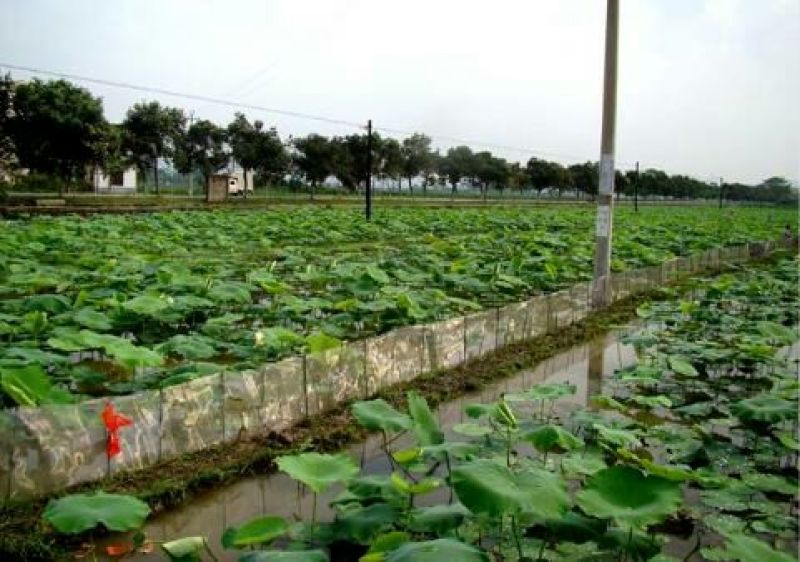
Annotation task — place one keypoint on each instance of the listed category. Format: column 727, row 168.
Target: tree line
column 59, row 129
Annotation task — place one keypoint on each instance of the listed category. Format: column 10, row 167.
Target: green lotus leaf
column 191, row 347
column 362, row 524
column 628, row 497
column 740, row 547
column 577, row 528
column 484, row 486
column 788, row 440
column 186, row 549
column 776, row 332
column 318, row 471
column 318, row 342
column 425, row 426
column 472, row 429
column 380, row 415
column 389, row 541
column 93, row 319
column 261, row 530
column 405, row 487
column 230, row 292
column 438, row 519
column 77, row 513
column 582, row 464
column 682, row 366
column 146, row 305
column 437, row 551
column 552, row 438
column 770, row 483
column 764, row 408
column 617, row 437
column 29, row 386
column 652, row 401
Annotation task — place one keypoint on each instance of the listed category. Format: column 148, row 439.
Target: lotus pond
column 108, row 305
column 696, row 441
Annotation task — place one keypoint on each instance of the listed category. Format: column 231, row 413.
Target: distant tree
column 256, row 148
column 776, row 189
column 490, row 171
column 543, row 174
column 458, row 163
column 585, row 177
column 314, row 156
column 272, row 159
column 517, row 177
column 8, row 155
column 243, row 138
column 416, row 157
column 202, row 147
column 151, row 132
column 350, row 159
column 390, row 159
column 55, row 127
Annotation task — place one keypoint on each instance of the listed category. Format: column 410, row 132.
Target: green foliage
column 81, row 512
column 628, row 497
column 318, row 471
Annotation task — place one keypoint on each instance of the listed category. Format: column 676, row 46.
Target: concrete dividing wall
column 49, row 448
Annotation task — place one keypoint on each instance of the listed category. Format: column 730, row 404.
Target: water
column 585, row 366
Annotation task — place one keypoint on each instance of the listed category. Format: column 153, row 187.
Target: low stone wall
column 48, row 448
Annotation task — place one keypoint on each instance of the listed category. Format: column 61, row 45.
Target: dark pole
column 369, row 170
column 636, row 190
column 721, row 192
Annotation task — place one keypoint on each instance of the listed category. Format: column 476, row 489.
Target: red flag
column 113, row 421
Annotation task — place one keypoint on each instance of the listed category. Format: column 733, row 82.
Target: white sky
column 707, row 87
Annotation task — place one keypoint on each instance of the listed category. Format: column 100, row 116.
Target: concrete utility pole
column 369, row 171
column 636, row 189
column 721, row 192
column 191, row 172
column 601, row 288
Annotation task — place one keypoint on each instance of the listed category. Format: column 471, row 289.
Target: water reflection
column 585, row 366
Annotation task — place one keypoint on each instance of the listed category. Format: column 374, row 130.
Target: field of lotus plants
column 696, row 444
column 107, row 305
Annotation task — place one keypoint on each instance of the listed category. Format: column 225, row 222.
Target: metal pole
column 721, row 192
column 191, row 171
column 605, row 197
column 369, row 170
column 636, row 189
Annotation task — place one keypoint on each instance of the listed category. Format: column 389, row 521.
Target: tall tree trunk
column 155, row 173
column 244, row 173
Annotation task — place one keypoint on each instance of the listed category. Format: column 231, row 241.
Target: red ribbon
column 113, row 421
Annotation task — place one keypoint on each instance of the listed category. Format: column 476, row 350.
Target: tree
column 314, row 158
column 202, row 148
column 151, row 133
column 243, row 140
column 255, row 148
column 416, row 157
column 517, row 177
column 8, row 156
column 585, row 177
column 490, row 171
column 458, row 163
column 543, row 174
column 55, row 127
column 389, row 159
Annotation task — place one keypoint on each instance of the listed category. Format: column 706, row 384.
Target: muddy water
column 584, row 366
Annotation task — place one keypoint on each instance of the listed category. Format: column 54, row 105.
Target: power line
column 285, row 112
column 173, row 93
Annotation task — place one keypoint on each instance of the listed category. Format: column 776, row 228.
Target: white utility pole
column 601, row 287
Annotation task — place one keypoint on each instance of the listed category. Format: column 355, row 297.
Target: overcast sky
column 707, row 87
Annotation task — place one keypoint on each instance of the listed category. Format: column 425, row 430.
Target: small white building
column 236, row 182
column 118, row 182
